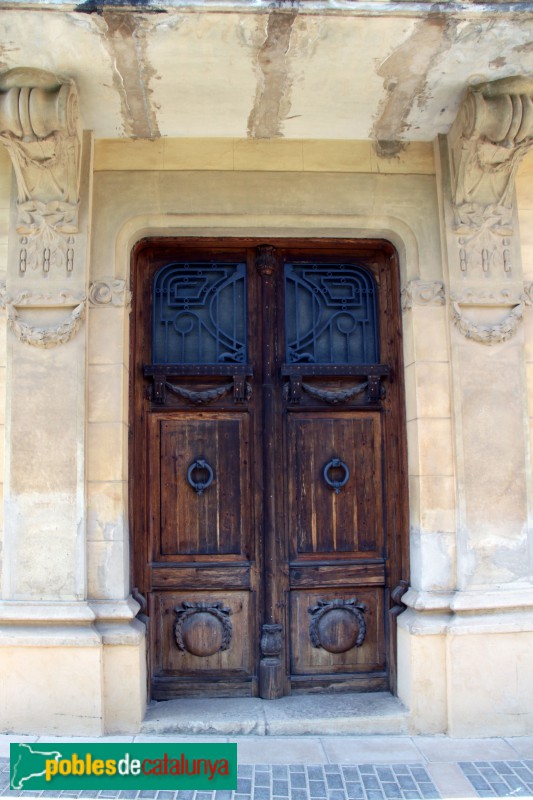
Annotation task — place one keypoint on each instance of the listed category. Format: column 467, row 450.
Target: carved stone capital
column 492, row 132
column 39, row 126
column 109, row 292
column 423, row 293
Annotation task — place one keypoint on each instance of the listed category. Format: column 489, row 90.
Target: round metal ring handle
column 200, row 486
column 336, row 463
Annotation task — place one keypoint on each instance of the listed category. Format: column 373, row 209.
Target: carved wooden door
column 267, row 463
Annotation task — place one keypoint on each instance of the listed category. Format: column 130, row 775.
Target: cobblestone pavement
column 500, row 778
column 330, row 782
column 342, row 768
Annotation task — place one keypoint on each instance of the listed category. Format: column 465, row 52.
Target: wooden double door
column 267, row 464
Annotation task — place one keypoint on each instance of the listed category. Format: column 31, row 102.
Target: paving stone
column 501, row 789
column 336, row 794
column 262, row 778
column 373, row 794
column 242, row 797
column 245, row 771
column 385, row 773
column 280, row 788
column 489, row 774
column 204, row 796
column 317, row 789
column 299, row 794
column 513, row 781
column 279, row 771
column 500, row 766
column 351, row 773
column 334, row 781
column 261, row 793
column 406, row 782
column 244, row 785
column 411, row 795
column 420, row 774
column 315, row 773
column 222, row 794
column 400, row 769
column 370, row 782
column 298, row 780
column 355, row 790
column 391, row 789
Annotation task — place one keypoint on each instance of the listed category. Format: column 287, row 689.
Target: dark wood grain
column 269, row 538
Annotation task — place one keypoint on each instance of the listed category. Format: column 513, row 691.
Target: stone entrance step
column 298, row 715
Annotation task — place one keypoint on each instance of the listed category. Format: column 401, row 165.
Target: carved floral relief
column 39, row 127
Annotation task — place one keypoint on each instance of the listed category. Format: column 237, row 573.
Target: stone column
column 51, row 639
column 487, row 622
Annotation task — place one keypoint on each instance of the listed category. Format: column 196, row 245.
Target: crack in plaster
column 272, row 97
column 405, row 80
column 126, row 42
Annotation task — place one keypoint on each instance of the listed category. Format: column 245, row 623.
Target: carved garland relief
column 111, row 292
column 432, row 293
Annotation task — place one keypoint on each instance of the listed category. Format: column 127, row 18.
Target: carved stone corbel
column 109, row 292
column 39, row 126
column 492, row 132
column 423, row 293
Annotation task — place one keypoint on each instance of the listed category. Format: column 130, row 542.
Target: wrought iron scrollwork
column 200, row 465
column 337, row 625
column 202, row 628
column 336, row 463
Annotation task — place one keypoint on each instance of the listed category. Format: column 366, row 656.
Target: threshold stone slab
column 298, row 715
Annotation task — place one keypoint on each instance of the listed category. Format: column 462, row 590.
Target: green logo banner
column 123, row 766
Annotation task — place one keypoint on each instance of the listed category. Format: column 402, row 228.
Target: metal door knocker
column 201, row 465
column 336, row 463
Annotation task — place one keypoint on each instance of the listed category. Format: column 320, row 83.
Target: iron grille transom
column 330, row 314
column 199, row 314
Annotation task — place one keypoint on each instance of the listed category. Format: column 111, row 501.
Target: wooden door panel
column 235, row 657
column 309, row 659
column 262, row 581
column 216, row 521
column 347, row 524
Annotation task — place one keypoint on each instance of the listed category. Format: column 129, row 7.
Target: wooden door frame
column 394, row 429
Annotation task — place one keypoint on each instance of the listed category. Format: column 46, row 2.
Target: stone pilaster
column 59, row 620
column 483, row 627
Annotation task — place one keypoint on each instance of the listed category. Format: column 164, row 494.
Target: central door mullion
column 272, row 667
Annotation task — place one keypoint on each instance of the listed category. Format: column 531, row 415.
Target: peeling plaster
column 126, row 42
column 272, row 97
column 405, row 79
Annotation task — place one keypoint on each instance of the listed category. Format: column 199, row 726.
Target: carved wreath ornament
column 202, row 628
column 337, row 625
